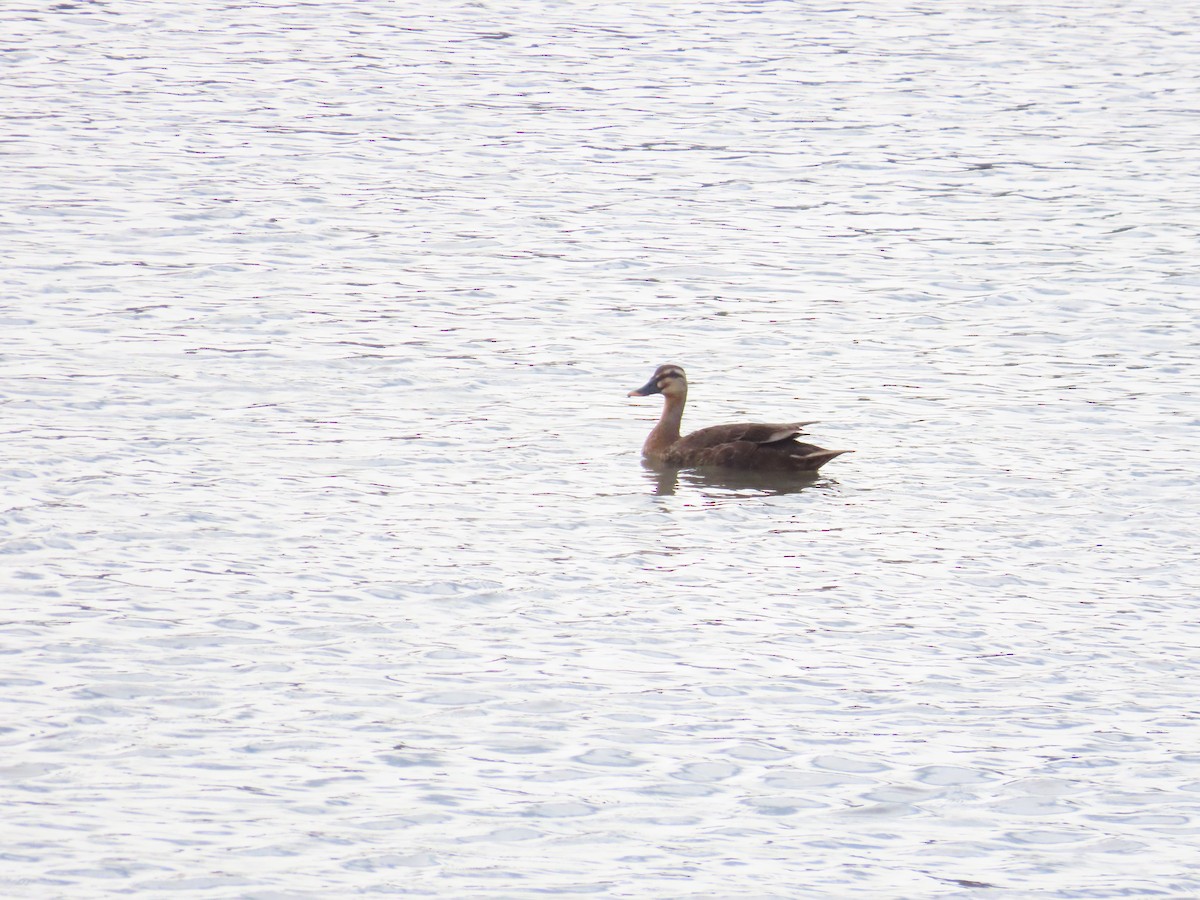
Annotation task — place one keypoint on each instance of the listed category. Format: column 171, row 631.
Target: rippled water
column 329, row 560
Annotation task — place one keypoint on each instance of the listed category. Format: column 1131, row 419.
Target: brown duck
column 749, row 446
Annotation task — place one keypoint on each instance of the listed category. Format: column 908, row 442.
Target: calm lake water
column 329, row 563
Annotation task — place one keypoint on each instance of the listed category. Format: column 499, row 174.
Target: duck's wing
column 779, row 456
column 754, row 433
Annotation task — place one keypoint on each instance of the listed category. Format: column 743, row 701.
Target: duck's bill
column 650, row 387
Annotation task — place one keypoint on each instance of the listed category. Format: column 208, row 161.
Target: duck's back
column 757, row 433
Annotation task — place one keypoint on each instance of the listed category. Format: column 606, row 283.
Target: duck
column 750, row 446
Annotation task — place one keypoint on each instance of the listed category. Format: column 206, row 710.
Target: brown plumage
column 751, row 446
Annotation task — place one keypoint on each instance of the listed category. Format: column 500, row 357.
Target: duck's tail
column 810, row 462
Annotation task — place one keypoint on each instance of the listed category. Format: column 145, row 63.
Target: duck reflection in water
column 755, row 451
column 666, row 480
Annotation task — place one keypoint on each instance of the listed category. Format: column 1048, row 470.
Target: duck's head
column 668, row 380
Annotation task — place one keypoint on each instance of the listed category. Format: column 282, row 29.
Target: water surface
column 331, row 567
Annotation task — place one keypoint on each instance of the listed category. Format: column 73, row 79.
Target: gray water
column 330, row 566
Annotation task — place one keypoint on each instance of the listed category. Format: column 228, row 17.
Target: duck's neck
column 666, row 432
